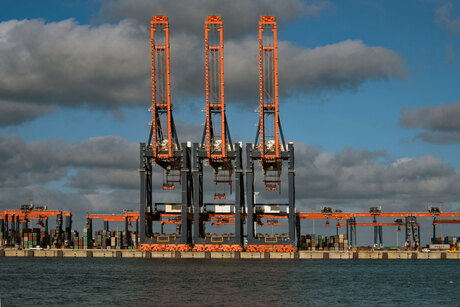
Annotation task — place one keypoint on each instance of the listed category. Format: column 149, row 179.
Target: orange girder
column 164, row 142
column 268, row 87
column 216, row 142
column 319, row 216
column 341, row 216
column 446, row 222
column 132, row 216
column 34, row 213
column 375, row 224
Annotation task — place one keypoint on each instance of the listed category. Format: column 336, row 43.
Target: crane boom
column 218, row 140
column 218, row 145
column 269, row 130
column 163, row 137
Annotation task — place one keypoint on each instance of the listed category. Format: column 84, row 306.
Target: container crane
column 11, row 220
column 217, row 149
column 128, row 218
column 163, row 148
column 269, row 147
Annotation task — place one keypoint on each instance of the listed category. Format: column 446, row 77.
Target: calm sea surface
column 144, row 282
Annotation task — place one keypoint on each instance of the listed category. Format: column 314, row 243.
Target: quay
column 331, row 255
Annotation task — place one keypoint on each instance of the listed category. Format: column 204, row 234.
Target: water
column 171, row 282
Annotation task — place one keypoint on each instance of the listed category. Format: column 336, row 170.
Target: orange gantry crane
column 217, row 149
column 269, row 148
column 163, row 137
column 11, row 220
column 128, row 218
column 411, row 225
column 163, row 148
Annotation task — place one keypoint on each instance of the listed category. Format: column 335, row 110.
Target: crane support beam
column 446, row 222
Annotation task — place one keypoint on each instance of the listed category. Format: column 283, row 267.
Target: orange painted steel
column 144, row 247
column 33, row 214
column 405, row 214
column 164, row 141
column 218, row 224
column 132, row 216
column 270, row 145
column 171, row 222
column 446, row 222
column 214, row 57
column 271, row 248
column 217, row 248
column 268, row 53
column 273, row 216
column 165, row 247
column 270, row 224
column 375, row 224
column 342, row 216
column 319, row 216
column 160, row 53
column 220, row 216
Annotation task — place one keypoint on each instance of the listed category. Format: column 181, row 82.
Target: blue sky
column 347, row 72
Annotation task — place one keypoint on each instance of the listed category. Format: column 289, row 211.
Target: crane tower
column 164, row 150
column 269, row 147
column 216, row 149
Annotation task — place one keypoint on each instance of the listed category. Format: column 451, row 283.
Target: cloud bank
column 100, row 174
column 440, row 122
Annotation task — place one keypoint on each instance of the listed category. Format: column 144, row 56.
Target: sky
column 369, row 93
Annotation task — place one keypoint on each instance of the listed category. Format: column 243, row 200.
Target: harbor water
column 174, row 282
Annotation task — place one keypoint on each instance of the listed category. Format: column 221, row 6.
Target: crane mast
column 270, row 150
column 269, row 130
column 163, row 137
column 218, row 141
column 222, row 155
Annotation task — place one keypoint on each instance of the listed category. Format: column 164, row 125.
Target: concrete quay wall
column 331, row 255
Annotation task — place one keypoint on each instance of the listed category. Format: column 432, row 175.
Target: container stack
column 134, row 242
column 52, row 236
column 100, row 239
column 317, row 242
column 444, row 243
column 5, row 236
column 87, row 239
column 32, row 238
column 75, row 240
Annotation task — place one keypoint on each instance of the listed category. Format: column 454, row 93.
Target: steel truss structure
column 271, row 150
column 216, row 148
column 164, row 150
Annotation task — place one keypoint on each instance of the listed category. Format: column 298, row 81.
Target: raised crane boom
column 163, row 137
column 269, row 129
column 218, row 141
